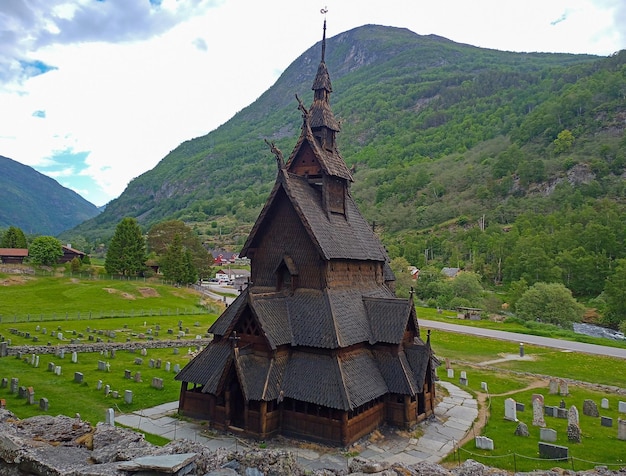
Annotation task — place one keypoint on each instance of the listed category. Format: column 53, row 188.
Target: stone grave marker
column 621, row 429
column 463, row 378
column 137, row 377
column 14, row 385
column 51, row 366
column 151, row 363
column 101, row 365
column 520, row 407
column 573, row 433
column 483, row 386
column 36, row 362
column 78, row 377
column 561, row 413
column 128, row 396
column 138, row 361
column 127, row 374
column 450, row 373
column 562, row 404
column 604, row 403
column 522, row 429
column 551, row 451
column 483, row 443
column 99, row 385
column 176, row 351
column 510, row 410
column 573, row 417
column 158, row 364
column 109, row 417
column 21, row 392
column 115, row 394
column 537, row 400
column 57, row 370
column 30, row 395
column 4, row 383
column 547, row 434
column 554, row 387
column 606, row 421
column 621, row 407
column 112, row 353
column 107, row 390
column 176, row 368
column 74, row 357
column 168, row 366
column 144, row 352
column 563, row 388
column 590, row 408
column 157, row 383
column 43, row 404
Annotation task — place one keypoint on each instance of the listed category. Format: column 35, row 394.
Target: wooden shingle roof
column 259, row 375
column 208, row 367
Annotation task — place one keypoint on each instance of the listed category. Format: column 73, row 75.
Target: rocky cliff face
column 64, row 446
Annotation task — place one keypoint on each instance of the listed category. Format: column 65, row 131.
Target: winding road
column 526, row 339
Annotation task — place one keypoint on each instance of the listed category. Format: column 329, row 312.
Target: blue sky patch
column 35, row 68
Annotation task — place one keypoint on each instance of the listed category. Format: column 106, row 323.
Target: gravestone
column 606, row 421
column 621, row 407
column 112, row 353
column 573, row 433
column 144, row 352
column 74, row 357
column 510, row 410
column 537, row 400
column 137, row 376
column 57, row 370
column 551, row 451
column 483, row 386
column 30, row 395
column 621, row 429
column 51, row 366
column 573, row 417
column 99, row 385
column 43, row 404
column 21, row 392
column 3, row 349
column 554, row 387
column 4, row 383
column 562, row 404
column 36, row 361
column 107, row 390
column 14, row 385
column 115, row 394
column 128, row 396
column 590, row 408
column 109, row 417
column 550, row 410
column 127, row 374
column 78, row 377
column 101, row 365
column 176, row 351
column 547, row 434
column 604, row 403
column 151, row 363
column 522, row 429
column 168, row 366
column 157, row 383
column 450, row 373
column 520, row 407
column 176, row 368
column 561, row 413
column 563, row 388
column 107, row 367
column 483, row 443
column 158, row 364
column 138, row 361
column 60, row 335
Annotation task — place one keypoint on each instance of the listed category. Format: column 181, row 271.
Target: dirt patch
column 13, row 281
column 148, row 292
column 124, row 295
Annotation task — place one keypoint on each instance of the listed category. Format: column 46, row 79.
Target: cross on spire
column 323, row 11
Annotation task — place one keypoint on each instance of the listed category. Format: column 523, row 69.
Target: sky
column 93, row 93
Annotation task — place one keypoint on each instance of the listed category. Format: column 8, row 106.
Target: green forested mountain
column 463, row 156
column 38, row 204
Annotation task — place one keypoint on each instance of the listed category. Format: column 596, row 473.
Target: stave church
column 317, row 346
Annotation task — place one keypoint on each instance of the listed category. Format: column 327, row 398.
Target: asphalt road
column 525, row 338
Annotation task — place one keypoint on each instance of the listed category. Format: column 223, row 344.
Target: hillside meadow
column 45, row 306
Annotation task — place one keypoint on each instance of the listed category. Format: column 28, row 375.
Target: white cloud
column 126, row 81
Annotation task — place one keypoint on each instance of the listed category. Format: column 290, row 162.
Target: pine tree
column 127, row 250
column 13, row 238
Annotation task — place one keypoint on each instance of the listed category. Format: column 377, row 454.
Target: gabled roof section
column 260, row 376
column 388, row 318
column 336, row 236
column 397, row 372
column 418, row 357
column 330, row 160
column 271, row 312
column 208, row 367
column 226, row 320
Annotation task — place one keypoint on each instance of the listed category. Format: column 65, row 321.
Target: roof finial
column 324, row 11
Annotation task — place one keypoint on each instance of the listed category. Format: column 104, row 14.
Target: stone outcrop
column 64, row 446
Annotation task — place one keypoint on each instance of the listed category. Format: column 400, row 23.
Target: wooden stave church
column 317, row 347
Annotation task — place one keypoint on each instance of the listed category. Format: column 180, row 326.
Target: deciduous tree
column 549, row 302
column 45, row 250
column 13, row 238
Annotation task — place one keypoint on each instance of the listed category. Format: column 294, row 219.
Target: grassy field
column 79, row 308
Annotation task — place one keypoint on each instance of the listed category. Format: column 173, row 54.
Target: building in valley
column 317, row 346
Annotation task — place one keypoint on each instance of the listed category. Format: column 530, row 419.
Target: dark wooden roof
column 397, row 372
column 335, row 236
column 329, row 318
column 208, row 367
column 418, row 357
column 260, row 376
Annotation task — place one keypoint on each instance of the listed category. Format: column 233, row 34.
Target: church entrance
column 237, row 405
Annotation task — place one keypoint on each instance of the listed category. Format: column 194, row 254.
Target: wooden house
column 318, row 346
column 70, row 253
column 13, row 255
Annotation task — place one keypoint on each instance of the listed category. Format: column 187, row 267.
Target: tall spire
column 324, row 11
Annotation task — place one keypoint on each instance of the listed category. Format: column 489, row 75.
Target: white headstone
column 57, row 370
column 604, row 403
column 99, row 385
column 510, row 409
column 450, row 373
column 463, row 374
column 563, row 388
column 547, row 434
column 621, row 407
column 109, row 417
column 168, row 366
column 37, row 361
column 483, row 386
column 484, row 443
column 74, row 357
column 128, row 396
column 107, row 390
column 60, row 336
column 621, row 429
column 554, row 387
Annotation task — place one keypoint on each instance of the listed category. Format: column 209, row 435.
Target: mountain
column 439, row 134
column 38, row 204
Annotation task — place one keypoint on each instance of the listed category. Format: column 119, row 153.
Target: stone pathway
column 454, row 416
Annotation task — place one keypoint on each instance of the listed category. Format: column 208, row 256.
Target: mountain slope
column 38, row 204
column 425, row 121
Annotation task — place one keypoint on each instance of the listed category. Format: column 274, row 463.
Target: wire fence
column 576, row 464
